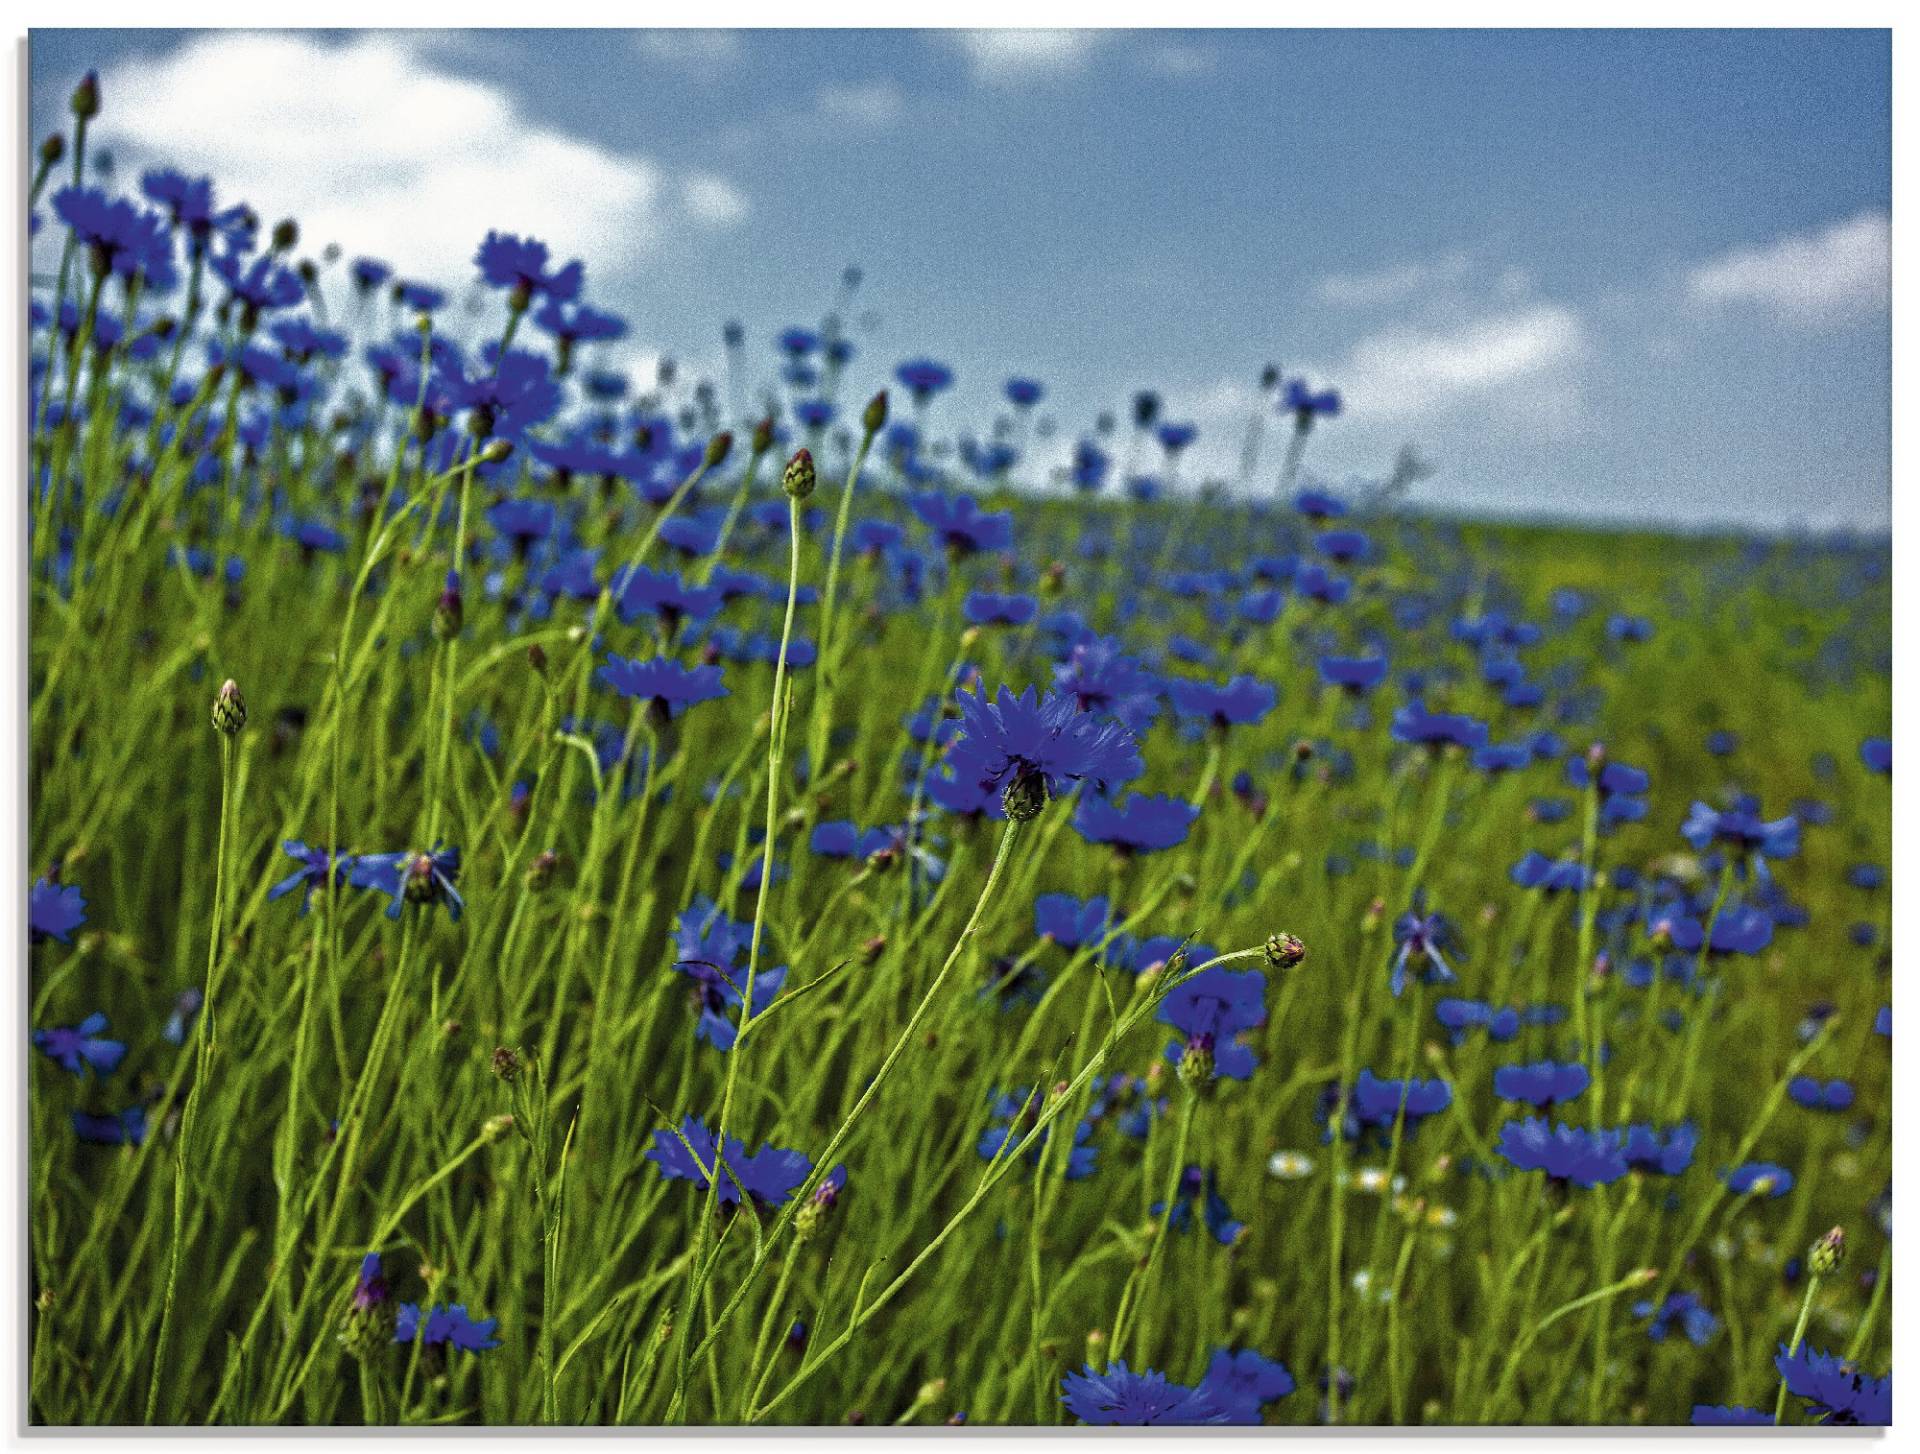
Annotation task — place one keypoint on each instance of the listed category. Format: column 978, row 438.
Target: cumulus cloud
column 713, row 199
column 1834, row 275
column 1016, row 57
column 1522, row 358
column 1392, row 283
column 373, row 144
column 863, row 103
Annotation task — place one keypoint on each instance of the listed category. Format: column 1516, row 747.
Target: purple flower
column 1242, row 1382
column 1144, row 823
column 82, row 1046
column 410, row 877
column 1565, row 1153
column 1423, row 940
column 1834, row 1388
column 370, row 1288
column 54, row 910
column 1218, row 1004
column 1243, row 700
column 1545, row 1083
column 1121, row 1396
column 958, row 523
column 445, row 1325
column 520, row 265
column 317, row 865
column 770, row 1175
column 665, row 681
column 1008, row 740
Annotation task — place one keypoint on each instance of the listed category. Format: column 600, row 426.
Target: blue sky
column 1616, row 275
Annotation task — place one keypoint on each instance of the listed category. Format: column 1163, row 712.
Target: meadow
column 550, row 904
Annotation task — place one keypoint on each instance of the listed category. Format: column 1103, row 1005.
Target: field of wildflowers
column 561, row 898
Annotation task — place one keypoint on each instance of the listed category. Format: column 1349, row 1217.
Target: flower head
column 1121, row 1396
column 1008, row 741
column 54, row 910
column 84, row 1045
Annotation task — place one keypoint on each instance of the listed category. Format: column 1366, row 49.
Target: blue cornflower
column 1343, row 546
column 984, row 608
column 1104, row 679
column 958, row 523
column 1021, row 743
column 1424, row 940
column 1883, row 1022
column 122, row 238
column 1216, row 1006
column 1742, row 831
column 520, row 265
column 126, row 1128
column 1242, row 1382
column 1834, row 1095
column 370, row 1286
column 1070, row 923
column 1877, row 754
column 84, row 1045
column 814, row 413
column 720, row 992
column 1316, row 583
column 1244, row 699
column 662, row 680
column 419, row 297
column 1024, row 393
column 639, row 591
column 261, row 285
column 1544, row 1084
column 1201, row 1189
column 1376, row 1103
column 1683, row 1308
column 1729, row 1415
column 506, row 395
column 1761, row 1178
column 410, row 877
column 1834, row 1389
column 1415, row 724
column 1018, row 1112
column 1176, row 437
column 54, row 910
column 1303, row 403
column 578, row 324
column 1121, row 1396
column 1356, row 674
column 770, row 1175
column 1090, row 466
column 1459, row 1016
column 1568, row 1154
column 1554, row 875
column 444, row 1325
column 1319, row 505
column 523, row 521
column 923, row 378
column 369, row 273
column 1670, row 1153
column 1144, row 823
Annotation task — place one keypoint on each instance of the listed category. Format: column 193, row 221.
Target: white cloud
column 713, row 199
column 1818, row 278
column 1520, row 359
column 1392, row 283
column 1014, row 57
column 371, row 145
column 699, row 50
column 863, row 103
